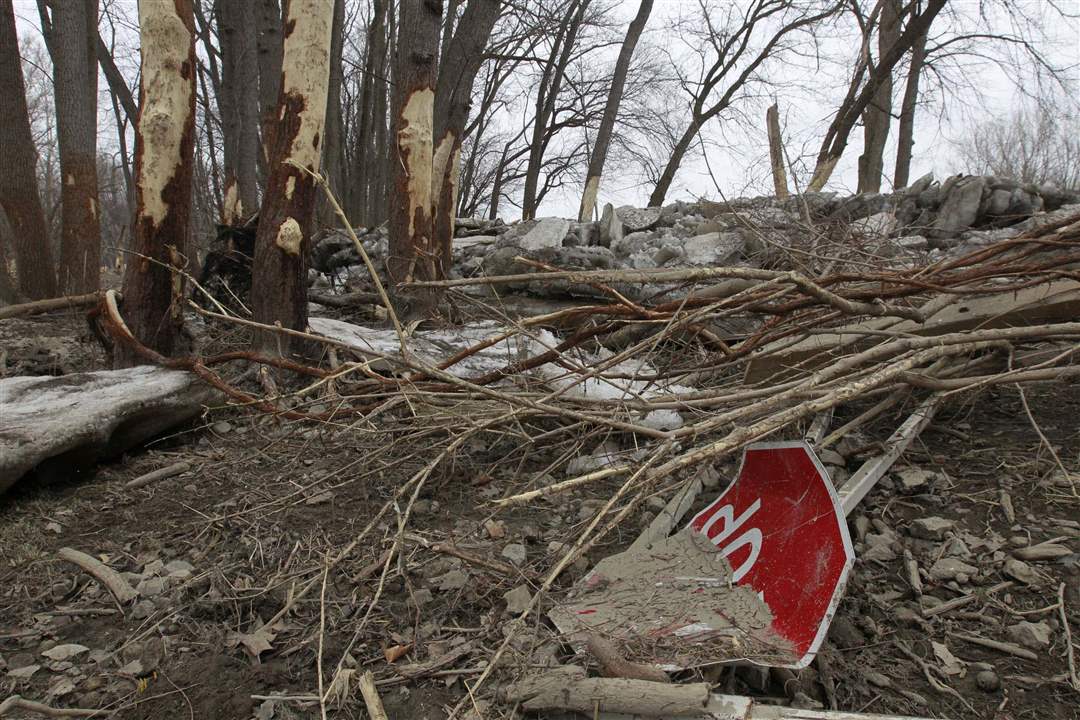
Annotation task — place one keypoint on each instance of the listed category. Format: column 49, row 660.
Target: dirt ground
column 219, row 550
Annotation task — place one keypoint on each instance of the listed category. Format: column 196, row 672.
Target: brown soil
column 270, row 501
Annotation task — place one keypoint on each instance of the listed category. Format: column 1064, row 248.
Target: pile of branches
column 685, row 362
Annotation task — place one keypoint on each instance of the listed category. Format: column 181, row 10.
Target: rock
column 151, row 587
column 517, row 600
column 831, row 457
column 421, row 507
column 179, row 569
column 656, row 503
column 142, row 657
column 844, row 634
column 548, row 233
column 515, row 553
column 65, row 652
column 611, row 227
column 912, row 242
column 914, row 480
column 22, row 673
column 988, row 681
column 876, row 225
column 453, row 580
column 142, row 610
column 931, row 528
column 221, row 427
column 1020, row 570
column 714, row 248
column 638, row 219
column 878, row 680
column 960, row 210
column 1035, row 636
column 948, row 568
column 420, row 597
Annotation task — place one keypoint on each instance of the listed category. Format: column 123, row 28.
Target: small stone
column 180, row 569
column 142, row 610
column 517, row 600
column 878, row 680
column 421, row 507
column 879, row 553
column 65, row 652
column 1020, row 570
column 914, row 480
column 948, row 569
column 24, row 672
column 802, row 701
column 963, row 578
column 151, row 587
column 931, row 528
column 988, row 681
column 515, row 553
column 420, row 598
column 222, row 427
column 1035, row 636
column 496, row 530
column 453, row 580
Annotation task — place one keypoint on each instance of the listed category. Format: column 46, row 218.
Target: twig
column 15, row 702
column 322, row 636
column 159, row 474
column 1005, row 647
column 371, row 697
column 109, row 578
column 1074, row 679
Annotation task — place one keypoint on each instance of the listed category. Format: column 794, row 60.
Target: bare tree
column 18, row 171
column 238, row 105
column 269, row 46
column 861, row 93
column 70, row 31
column 611, row 111
column 730, row 62
column 334, row 144
column 1039, row 144
column 457, row 71
column 413, row 253
column 877, row 117
column 283, row 241
column 368, row 170
column 906, row 130
column 164, row 144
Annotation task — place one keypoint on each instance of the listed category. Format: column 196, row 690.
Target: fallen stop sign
column 781, row 527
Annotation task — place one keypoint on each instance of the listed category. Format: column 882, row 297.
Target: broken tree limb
column 160, row 474
column 864, row 479
column 567, row 688
column 371, row 697
column 109, row 578
column 16, row 702
column 42, row 306
column 614, row 665
column 1005, row 647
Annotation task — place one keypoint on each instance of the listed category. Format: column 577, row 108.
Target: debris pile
column 530, row 468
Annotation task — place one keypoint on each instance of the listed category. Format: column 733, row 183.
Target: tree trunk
column 334, row 146
column 372, row 84
column 776, row 152
column 836, row 137
column 72, row 44
column 906, row 131
column 668, row 176
column 878, row 114
column 611, row 112
column 238, row 105
column 457, row 71
column 546, row 97
column 164, row 145
column 413, row 254
column 18, row 172
column 283, row 240
column 269, row 47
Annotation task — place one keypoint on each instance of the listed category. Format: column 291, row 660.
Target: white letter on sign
column 751, row 537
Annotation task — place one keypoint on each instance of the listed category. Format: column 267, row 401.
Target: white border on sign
column 841, row 519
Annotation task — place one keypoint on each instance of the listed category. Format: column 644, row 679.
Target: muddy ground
column 217, row 551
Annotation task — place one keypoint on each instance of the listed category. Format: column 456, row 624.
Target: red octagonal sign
column 781, row 527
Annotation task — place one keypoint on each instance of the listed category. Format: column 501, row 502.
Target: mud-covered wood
column 567, row 688
column 60, row 426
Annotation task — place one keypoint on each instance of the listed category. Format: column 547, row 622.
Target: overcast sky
column 738, row 155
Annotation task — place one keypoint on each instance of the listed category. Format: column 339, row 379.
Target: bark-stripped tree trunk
column 279, row 279
column 269, row 46
column 71, row 36
column 457, row 70
column 334, row 146
column 878, row 114
column 836, row 137
column 776, row 152
column 238, row 104
column 164, row 145
column 906, row 130
column 611, row 112
column 413, row 253
column 18, row 171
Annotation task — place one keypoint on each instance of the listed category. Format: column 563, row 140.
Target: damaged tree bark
column 413, row 252
column 457, row 71
column 238, row 102
column 776, row 152
column 164, row 146
column 279, row 277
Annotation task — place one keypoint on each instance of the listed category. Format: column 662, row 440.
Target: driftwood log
column 60, row 426
column 567, row 688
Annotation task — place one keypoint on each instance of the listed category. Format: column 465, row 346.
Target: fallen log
column 567, row 688
column 60, row 426
column 42, row 306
